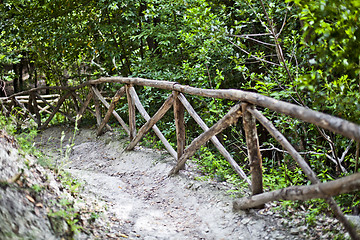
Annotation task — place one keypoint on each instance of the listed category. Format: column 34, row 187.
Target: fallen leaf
column 30, row 198
column 123, row 235
column 39, row 205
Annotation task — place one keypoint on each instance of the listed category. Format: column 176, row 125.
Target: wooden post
column 151, row 122
column 113, row 103
column 4, row 110
column 36, row 109
column 26, row 111
column 53, row 108
column 76, row 106
column 97, row 110
column 132, row 118
column 60, row 102
column 85, row 104
column 214, row 139
column 252, row 143
column 146, row 116
column 179, row 113
column 107, row 105
column 230, row 118
column 305, row 167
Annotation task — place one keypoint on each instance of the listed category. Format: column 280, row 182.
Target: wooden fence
column 36, row 104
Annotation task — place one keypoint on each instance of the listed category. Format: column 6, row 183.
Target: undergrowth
column 61, row 208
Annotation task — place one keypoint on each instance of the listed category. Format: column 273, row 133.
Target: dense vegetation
column 301, row 51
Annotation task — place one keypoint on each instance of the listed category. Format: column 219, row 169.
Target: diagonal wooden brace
column 151, row 122
column 230, row 118
column 145, row 115
column 113, row 103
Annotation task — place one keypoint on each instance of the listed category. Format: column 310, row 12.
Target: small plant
column 93, row 217
column 65, row 154
column 68, row 214
column 69, row 183
column 36, row 188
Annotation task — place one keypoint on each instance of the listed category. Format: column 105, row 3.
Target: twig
column 255, row 40
column 251, row 35
column 263, row 60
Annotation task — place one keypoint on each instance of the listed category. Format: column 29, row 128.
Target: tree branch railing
column 180, row 104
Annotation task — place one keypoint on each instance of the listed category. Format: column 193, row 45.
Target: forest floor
column 141, row 202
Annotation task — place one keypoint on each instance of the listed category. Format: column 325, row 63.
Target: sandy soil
column 144, row 203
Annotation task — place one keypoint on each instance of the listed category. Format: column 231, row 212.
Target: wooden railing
column 246, row 108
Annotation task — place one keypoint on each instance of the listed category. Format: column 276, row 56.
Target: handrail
column 326, row 121
column 179, row 103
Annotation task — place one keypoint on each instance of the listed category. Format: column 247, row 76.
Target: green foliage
column 70, row 183
column 214, row 165
column 36, row 188
column 25, row 136
column 207, row 44
column 331, row 33
column 68, row 213
column 65, row 153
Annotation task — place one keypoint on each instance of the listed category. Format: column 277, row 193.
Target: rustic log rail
column 178, row 101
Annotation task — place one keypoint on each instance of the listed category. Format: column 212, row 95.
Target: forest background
column 303, row 52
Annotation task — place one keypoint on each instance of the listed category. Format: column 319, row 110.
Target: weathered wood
column 230, row 118
column 24, row 108
column 4, row 109
column 76, row 106
column 107, row 105
column 27, row 97
column 319, row 190
column 179, row 113
column 36, row 109
column 37, row 101
column 53, row 108
column 304, row 166
column 151, row 122
column 97, row 109
column 44, row 109
column 146, row 116
column 131, row 111
column 285, row 144
column 323, row 120
column 136, row 81
column 85, row 104
column 113, row 103
column 63, row 88
column 29, row 103
column 214, row 139
column 252, row 143
column 60, row 102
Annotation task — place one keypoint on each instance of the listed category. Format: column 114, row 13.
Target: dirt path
column 145, row 204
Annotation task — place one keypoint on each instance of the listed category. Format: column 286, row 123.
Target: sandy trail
column 149, row 205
